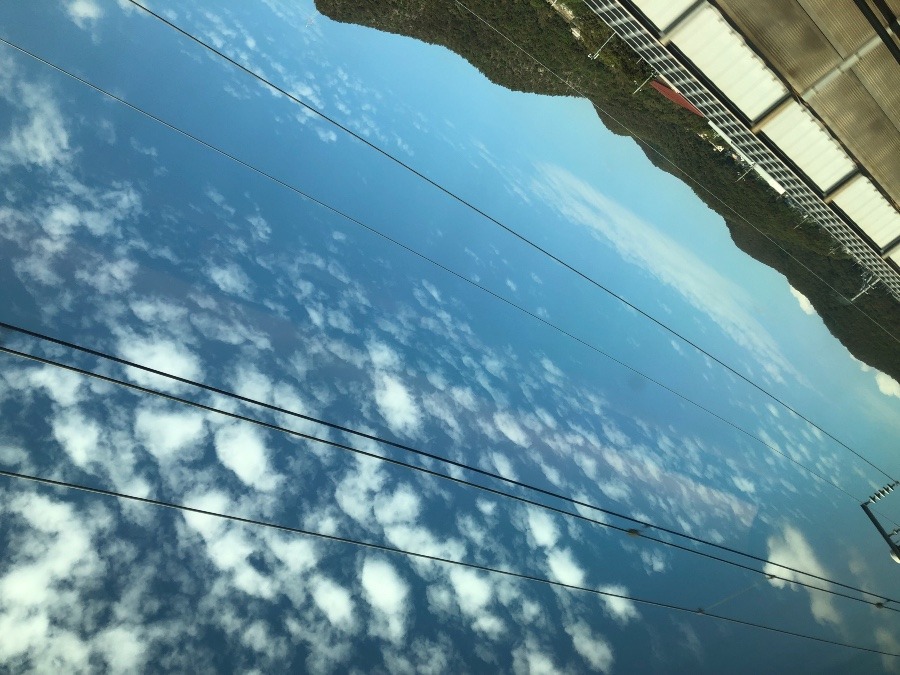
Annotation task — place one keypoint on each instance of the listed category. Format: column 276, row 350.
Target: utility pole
column 895, row 549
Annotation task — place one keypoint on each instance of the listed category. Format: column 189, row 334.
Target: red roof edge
column 675, row 97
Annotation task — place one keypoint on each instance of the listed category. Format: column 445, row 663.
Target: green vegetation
column 670, row 136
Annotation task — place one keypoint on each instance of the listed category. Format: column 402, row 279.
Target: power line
column 371, row 437
column 532, row 244
column 488, row 569
column 432, row 261
column 437, row 474
column 387, row 238
column 424, row 556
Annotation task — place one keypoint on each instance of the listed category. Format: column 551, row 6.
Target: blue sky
column 121, row 234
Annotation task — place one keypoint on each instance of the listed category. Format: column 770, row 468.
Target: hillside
column 669, row 136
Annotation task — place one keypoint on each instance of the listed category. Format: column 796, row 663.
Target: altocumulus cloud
column 242, row 449
column 397, row 405
column 387, row 593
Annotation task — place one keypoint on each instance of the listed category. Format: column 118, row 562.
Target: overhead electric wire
column 149, row 501
column 388, row 238
column 386, row 441
column 422, row 256
column 433, row 558
column 461, row 465
column 529, row 242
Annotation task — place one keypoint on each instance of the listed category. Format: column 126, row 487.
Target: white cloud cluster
column 39, row 140
column 887, row 385
column 84, row 12
column 242, row 448
column 49, row 575
column 419, row 369
column 388, row 595
column 396, row 404
column 791, row 548
column 803, row 301
column 162, row 354
column 673, row 265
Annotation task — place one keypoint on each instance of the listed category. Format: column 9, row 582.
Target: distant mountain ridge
column 561, row 35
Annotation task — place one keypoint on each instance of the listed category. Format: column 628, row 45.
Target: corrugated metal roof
column 879, row 73
column 802, row 138
column 663, row 12
column 806, row 40
column 778, row 29
column 841, row 22
column 867, row 207
column 854, row 116
column 724, row 57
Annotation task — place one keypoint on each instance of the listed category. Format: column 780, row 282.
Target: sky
column 121, row 234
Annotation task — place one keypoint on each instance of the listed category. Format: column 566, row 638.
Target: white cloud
column 78, row 435
column 122, row 648
column 510, row 428
column 620, row 609
column 165, row 433
column 464, row 397
column 542, row 528
column 356, row 490
column 152, row 310
column 791, row 548
column 63, row 387
column 298, row 555
column 530, row 659
column 503, row 465
column 473, row 592
column 804, row 302
column 229, row 549
column 887, row 385
column 387, row 593
column 422, row 540
column 382, row 356
column 591, row 647
column 661, row 256
column 744, row 485
column 563, row 567
column 326, row 135
column 42, row 140
column 212, row 501
column 334, row 600
column 242, row 449
column 160, row 354
column 402, row 506
column 261, row 229
column 888, row 642
column 396, row 405
column 109, row 277
column 83, row 12
column 654, row 561
column 230, row 278
column 43, row 577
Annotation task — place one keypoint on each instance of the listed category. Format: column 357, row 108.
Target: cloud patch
column 396, row 405
column 791, row 548
column 242, row 449
column 803, row 301
column 387, row 593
